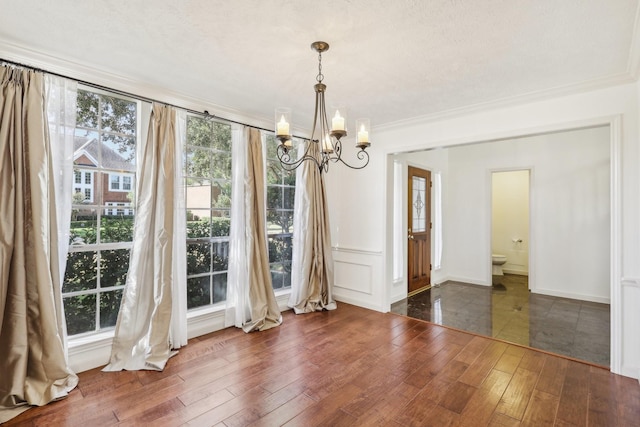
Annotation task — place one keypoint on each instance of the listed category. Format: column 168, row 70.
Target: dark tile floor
column 508, row 311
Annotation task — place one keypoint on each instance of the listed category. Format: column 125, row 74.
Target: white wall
column 569, row 211
column 510, row 219
column 371, row 189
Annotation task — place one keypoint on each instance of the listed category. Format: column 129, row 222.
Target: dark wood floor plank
column 574, row 400
column 552, row 375
column 350, row 366
column 541, row 410
column 228, row 408
column 532, row 360
column 481, row 367
column 510, row 359
column 516, row 397
column 482, row 404
column 457, row 397
column 473, row 350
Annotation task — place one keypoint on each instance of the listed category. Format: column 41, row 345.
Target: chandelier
column 325, row 144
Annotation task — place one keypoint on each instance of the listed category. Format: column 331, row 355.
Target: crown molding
column 527, row 98
column 109, row 79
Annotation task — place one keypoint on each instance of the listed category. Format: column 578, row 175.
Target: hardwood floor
column 350, row 367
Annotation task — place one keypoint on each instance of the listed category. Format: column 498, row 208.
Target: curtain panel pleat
column 312, row 262
column 142, row 337
column 33, row 365
column 265, row 313
column 251, row 302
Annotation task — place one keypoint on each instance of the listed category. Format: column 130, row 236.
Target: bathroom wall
column 510, row 219
column 570, row 210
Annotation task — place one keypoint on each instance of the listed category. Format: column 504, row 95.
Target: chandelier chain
column 320, row 76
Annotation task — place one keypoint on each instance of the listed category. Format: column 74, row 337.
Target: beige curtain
column 142, row 337
column 33, row 366
column 264, row 310
column 312, row 264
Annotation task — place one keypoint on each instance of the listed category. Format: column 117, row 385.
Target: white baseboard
column 352, row 301
column 465, row 280
column 516, row 272
column 581, row 297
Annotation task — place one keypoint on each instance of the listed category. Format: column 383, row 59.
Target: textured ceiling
column 389, row 60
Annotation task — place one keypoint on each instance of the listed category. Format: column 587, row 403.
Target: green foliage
column 208, row 150
column 115, row 117
column 80, row 312
column 112, row 113
column 209, row 227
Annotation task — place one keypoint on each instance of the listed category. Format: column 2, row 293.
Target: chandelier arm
column 285, row 158
column 361, row 155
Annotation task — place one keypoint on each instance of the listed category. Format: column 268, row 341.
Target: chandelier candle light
column 324, row 146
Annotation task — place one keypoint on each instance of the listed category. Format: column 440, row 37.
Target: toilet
column 498, row 261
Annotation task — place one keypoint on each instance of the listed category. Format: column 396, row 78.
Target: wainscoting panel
column 358, row 277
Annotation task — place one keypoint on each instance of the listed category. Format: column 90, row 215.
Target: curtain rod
column 204, row 113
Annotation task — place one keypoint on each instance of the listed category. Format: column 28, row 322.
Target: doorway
column 419, row 230
column 510, row 201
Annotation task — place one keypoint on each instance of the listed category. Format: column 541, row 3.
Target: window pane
column 87, row 109
column 118, row 115
column 288, row 197
column 199, row 225
column 222, row 137
column 116, row 228
column 118, row 152
column 220, row 254
column 114, row 265
column 220, row 225
column 80, row 312
column 109, row 307
column 84, row 226
column 221, row 166
column 281, row 275
column 81, row 272
column 199, row 131
column 219, row 287
column 221, row 194
column 198, row 291
column 279, row 222
column 198, row 258
column 199, row 163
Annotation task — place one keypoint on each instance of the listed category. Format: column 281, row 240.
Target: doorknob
column 410, row 236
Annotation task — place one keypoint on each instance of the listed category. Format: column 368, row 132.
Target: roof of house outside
column 110, row 158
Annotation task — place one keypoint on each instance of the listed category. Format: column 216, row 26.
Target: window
column 208, row 203
column 115, row 182
column 120, row 182
column 280, row 197
column 105, row 142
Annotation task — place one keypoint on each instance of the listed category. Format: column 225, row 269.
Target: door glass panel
column 418, row 220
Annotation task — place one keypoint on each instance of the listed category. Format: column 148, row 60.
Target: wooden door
column 419, row 232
